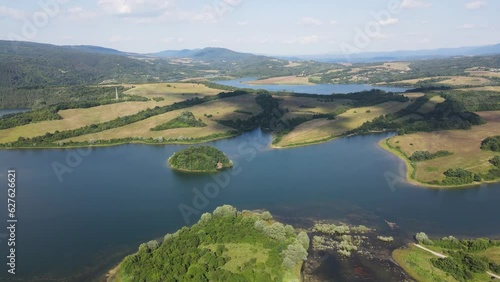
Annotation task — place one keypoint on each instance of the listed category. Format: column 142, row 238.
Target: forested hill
column 27, row 65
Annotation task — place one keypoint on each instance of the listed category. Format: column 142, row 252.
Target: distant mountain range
column 212, row 54
column 28, row 64
column 403, row 55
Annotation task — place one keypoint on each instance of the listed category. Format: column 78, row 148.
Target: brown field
column 484, row 73
column 321, row 129
column 293, row 64
column 186, row 90
column 485, row 88
column 417, row 80
column 431, row 104
column 311, row 105
column 414, row 95
column 397, row 66
column 464, row 144
column 221, row 109
column 401, row 66
column 76, row 118
column 291, row 80
column 466, row 80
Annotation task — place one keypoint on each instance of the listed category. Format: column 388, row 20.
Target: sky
column 272, row 27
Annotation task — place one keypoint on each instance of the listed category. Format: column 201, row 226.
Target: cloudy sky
column 275, row 27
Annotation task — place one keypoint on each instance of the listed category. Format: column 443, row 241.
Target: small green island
column 227, row 245
column 200, row 159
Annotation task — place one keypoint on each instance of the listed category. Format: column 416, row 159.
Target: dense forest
column 200, row 159
column 226, row 245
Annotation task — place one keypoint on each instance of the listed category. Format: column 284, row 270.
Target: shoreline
column 110, row 276
column 381, row 144
column 136, row 142
column 410, row 170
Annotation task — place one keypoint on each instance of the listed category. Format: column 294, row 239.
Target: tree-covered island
column 200, row 159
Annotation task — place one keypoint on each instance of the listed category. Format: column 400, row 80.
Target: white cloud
column 333, row 22
column 380, row 36
column 311, row 39
column 78, row 13
column 309, row 21
column 415, row 4
column 116, row 38
column 11, row 13
column 242, row 23
column 172, row 39
column 389, row 21
column 135, row 7
column 476, row 4
column 471, row 26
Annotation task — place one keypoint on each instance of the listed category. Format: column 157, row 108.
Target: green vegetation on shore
column 461, row 260
column 200, row 159
column 426, row 155
column 185, row 119
column 226, row 245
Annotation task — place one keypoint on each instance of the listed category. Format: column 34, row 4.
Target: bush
column 423, row 238
column 491, row 144
column 495, row 161
column 426, row 155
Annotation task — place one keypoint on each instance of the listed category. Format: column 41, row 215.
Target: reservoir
column 80, row 211
column 324, row 89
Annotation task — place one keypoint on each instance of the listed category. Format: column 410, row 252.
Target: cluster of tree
column 460, row 176
column 419, row 156
column 462, row 262
column 491, row 144
column 461, row 265
column 199, row 253
column 200, row 159
column 450, row 114
column 50, row 138
column 473, row 101
column 13, row 120
column 184, row 120
column 119, row 141
column 475, row 245
column 495, row 161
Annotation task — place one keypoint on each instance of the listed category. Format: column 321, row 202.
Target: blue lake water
column 75, row 226
column 324, row 89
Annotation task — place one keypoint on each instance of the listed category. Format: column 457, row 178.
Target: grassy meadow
column 323, row 129
column 464, row 144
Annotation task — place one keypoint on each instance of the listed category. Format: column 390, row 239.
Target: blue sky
column 275, row 27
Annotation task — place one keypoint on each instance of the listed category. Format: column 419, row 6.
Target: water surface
column 324, row 89
column 112, row 199
column 11, row 111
